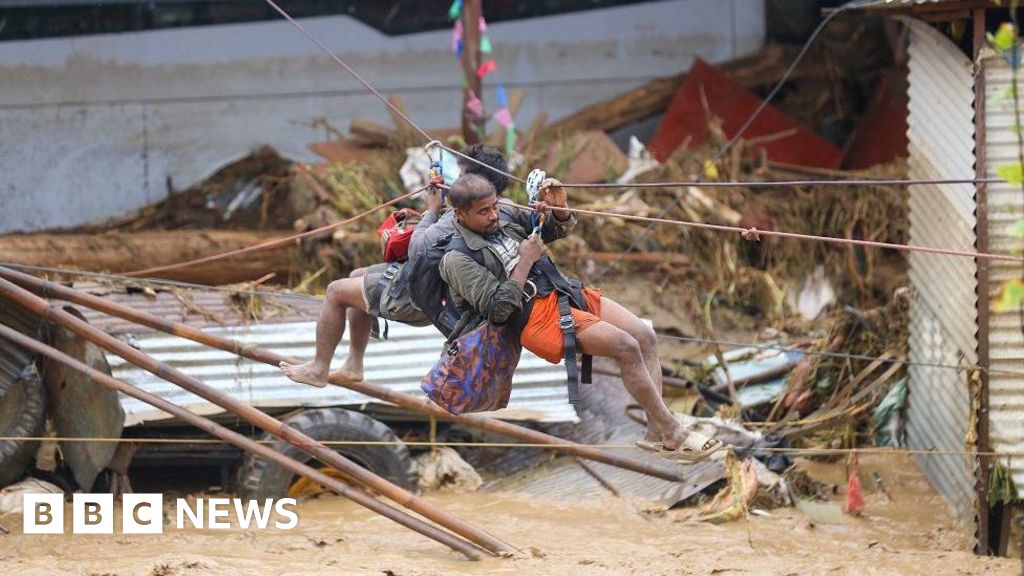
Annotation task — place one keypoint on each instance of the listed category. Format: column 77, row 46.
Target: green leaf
column 1018, row 229
column 1005, row 37
column 1012, row 173
column 1011, row 296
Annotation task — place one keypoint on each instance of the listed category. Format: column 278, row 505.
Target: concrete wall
column 98, row 125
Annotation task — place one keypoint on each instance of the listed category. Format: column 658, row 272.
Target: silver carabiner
column 527, row 296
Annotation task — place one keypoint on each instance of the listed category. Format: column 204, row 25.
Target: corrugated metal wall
column 398, row 363
column 943, row 314
column 1005, row 208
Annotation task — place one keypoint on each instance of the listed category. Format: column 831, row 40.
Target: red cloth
column 854, row 494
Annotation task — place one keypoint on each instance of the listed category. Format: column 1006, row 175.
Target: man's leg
column 330, row 327
column 616, row 315
column 360, row 325
column 604, row 339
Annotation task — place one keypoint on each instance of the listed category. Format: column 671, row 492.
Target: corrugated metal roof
column 1005, row 208
column 896, row 4
column 605, row 421
column 289, row 327
column 198, row 308
column 944, row 310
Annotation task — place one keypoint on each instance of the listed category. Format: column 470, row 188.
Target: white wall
column 94, row 126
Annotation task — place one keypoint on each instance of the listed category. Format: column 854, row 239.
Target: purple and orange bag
column 474, row 373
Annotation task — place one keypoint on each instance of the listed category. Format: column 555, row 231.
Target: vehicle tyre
column 260, row 479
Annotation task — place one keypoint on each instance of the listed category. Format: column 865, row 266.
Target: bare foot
column 308, row 373
column 347, row 375
column 350, row 371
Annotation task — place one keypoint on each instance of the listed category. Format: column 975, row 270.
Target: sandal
column 695, row 447
column 648, row 445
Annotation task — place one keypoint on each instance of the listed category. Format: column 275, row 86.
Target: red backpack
column 396, row 232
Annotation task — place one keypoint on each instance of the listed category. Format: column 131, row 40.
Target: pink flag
column 474, row 105
column 457, row 36
column 503, row 117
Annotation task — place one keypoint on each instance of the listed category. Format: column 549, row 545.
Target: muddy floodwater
column 905, row 530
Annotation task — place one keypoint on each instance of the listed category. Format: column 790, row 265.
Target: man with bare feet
column 374, row 292
column 514, row 257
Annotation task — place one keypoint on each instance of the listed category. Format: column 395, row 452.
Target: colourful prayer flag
column 457, row 38
column 503, row 117
column 510, row 139
column 485, row 45
column 501, row 97
column 474, row 105
column 486, row 68
column 455, row 10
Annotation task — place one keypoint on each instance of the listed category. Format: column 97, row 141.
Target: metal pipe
column 247, row 444
column 417, row 404
column 255, row 417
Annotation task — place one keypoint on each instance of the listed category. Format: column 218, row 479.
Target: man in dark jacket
column 497, row 291
column 369, row 292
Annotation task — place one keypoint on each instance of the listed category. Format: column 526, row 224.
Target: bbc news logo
column 144, row 513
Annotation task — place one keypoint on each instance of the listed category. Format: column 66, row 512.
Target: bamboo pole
column 254, row 416
column 417, row 404
column 236, row 439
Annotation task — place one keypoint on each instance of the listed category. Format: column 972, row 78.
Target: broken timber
column 358, row 496
column 253, row 416
column 122, row 251
column 407, row 401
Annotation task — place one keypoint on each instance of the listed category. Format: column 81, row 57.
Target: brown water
column 907, row 532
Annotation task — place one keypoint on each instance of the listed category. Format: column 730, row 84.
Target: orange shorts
column 543, row 337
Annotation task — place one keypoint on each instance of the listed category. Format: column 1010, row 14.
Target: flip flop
column 648, row 445
column 695, row 447
column 655, row 446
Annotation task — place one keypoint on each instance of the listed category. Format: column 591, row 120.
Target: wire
column 754, row 234
column 785, row 76
column 429, row 444
column 783, row 183
column 161, row 281
column 764, row 103
column 839, row 355
column 274, row 242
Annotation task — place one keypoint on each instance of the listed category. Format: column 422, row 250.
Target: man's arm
column 430, row 229
column 559, row 222
column 494, row 300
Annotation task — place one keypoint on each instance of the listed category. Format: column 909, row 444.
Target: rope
column 274, row 242
column 160, row 281
column 781, row 183
column 840, row 355
column 754, row 234
column 692, row 339
column 429, row 444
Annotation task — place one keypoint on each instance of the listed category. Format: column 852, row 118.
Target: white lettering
column 218, row 508
column 281, row 507
column 251, row 509
column 185, row 510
